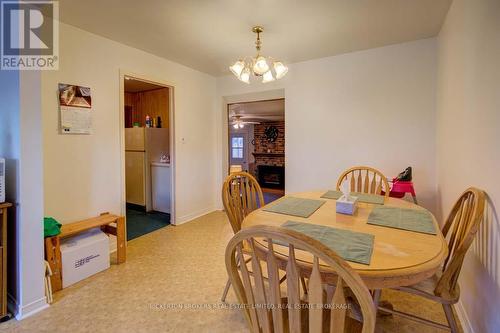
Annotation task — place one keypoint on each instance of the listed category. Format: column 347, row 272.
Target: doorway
column 256, row 143
column 239, row 151
column 147, row 131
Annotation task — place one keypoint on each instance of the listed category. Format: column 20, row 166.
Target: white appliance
column 84, row 255
column 142, row 147
column 160, row 186
column 2, row 180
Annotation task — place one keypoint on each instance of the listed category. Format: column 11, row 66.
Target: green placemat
column 332, row 195
column 403, row 218
column 362, row 197
column 295, row 206
column 350, row 245
column 369, row 198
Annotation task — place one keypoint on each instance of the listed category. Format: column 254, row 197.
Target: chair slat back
column 460, row 228
column 263, row 307
column 241, row 194
column 365, row 179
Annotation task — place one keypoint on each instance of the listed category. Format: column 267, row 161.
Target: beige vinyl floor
column 172, row 282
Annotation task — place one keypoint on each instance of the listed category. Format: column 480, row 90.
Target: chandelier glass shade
column 258, row 66
column 238, row 125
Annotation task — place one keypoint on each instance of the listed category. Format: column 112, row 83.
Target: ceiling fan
column 238, row 122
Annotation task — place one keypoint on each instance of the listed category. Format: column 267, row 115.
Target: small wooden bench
column 105, row 221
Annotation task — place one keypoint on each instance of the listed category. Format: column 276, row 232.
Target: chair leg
column 228, row 283
column 448, row 311
column 226, row 290
column 377, row 294
column 376, row 297
column 415, row 199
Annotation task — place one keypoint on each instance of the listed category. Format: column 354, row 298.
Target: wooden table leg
column 376, row 297
column 53, row 256
column 378, row 303
column 121, row 240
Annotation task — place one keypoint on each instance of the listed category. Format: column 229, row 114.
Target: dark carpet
column 140, row 223
column 270, row 197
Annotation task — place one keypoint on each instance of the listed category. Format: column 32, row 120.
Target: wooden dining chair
column 460, row 229
column 241, row 194
column 268, row 307
column 365, row 179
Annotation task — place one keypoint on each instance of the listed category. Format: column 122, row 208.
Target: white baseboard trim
column 25, row 311
column 463, row 317
column 189, row 217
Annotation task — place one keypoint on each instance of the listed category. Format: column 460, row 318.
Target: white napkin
column 346, row 192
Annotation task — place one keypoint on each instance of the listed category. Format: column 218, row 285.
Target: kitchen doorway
column 147, row 153
column 256, row 143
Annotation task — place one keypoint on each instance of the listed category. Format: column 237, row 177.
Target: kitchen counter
column 160, row 164
column 160, row 186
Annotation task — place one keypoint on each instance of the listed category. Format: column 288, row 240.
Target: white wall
column 468, row 113
column 9, row 149
column 82, row 172
column 20, row 144
column 30, row 248
column 9, row 130
column 374, row 107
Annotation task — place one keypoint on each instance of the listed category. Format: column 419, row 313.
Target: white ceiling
column 210, row 35
column 261, row 111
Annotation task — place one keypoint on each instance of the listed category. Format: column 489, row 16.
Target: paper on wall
column 76, row 120
column 75, row 105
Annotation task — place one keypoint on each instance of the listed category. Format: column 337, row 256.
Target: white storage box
column 347, row 206
column 84, row 255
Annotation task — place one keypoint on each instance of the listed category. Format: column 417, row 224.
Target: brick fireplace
column 271, row 176
column 270, row 156
column 269, row 153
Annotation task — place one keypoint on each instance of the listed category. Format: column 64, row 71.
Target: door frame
column 227, row 122
column 246, row 153
column 171, row 89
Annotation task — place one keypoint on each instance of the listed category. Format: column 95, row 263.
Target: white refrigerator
column 143, row 146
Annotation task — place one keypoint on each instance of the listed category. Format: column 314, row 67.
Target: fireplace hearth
column 271, row 176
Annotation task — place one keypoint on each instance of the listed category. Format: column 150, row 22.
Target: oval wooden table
column 399, row 258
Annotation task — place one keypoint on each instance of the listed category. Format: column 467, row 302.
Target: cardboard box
column 84, row 255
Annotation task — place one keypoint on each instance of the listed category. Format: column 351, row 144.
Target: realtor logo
column 30, row 35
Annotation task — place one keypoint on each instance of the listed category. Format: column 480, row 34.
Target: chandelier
column 259, row 65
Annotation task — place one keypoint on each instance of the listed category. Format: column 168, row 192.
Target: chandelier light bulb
column 237, row 68
column 245, row 75
column 241, row 125
column 260, row 66
column 280, row 69
column 235, row 126
column 268, row 77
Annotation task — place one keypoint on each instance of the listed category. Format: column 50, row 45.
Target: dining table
column 398, row 258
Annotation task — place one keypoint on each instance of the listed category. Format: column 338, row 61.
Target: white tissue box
column 347, row 206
